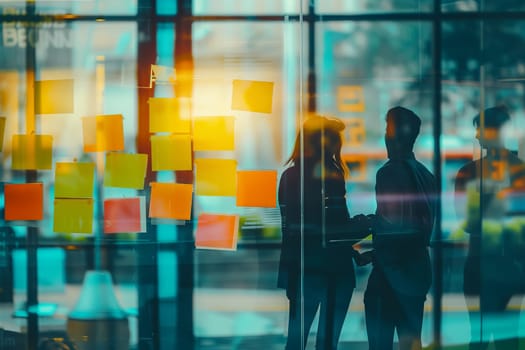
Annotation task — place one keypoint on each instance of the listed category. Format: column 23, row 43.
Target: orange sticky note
column 2, row 132
column 170, row 201
column 24, row 201
column 215, row 177
column 257, row 188
column 73, row 216
column 125, row 170
column 252, row 96
column 103, row 133
column 32, row 152
column 74, row 180
column 169, row 114
column 125, row 215
column 54, row 96
column 217, row 231
column 171, row 152
column 213, row 134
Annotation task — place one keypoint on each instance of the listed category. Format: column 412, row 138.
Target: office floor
column 240, row 319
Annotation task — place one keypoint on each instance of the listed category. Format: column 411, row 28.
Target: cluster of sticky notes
column 252, row 96
column 125, row 170
column 170, row 201
column 220, row 177
column 74, row 186
column 24, row 201
column 32, row 152
column 54, row 96
column 103, row 133
column 125, row 215
column 171, row 152
column 217, row 231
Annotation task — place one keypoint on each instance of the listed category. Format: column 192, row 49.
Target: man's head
column 488, row 126
column 402, row 129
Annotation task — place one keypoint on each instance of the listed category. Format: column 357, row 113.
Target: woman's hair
column 316, row 128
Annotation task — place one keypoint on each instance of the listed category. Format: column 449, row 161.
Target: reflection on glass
column 372, row 6
column 484, row 188
column 482, row 5
column 241, row 7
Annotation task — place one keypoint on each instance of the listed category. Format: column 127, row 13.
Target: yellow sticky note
column 257, row 188
column 125, row 170
column 169, row 114
column 170, row 201
column 171, row 152
column 252, row 96
column 350, row 98
column 214, row 134
column 32, row 152
column 73, row 216
column 103, row 133
column 74, row 180
column 215, row 177
column 2, row 132
column 54, row 96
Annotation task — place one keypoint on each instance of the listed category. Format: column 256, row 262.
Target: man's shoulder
column 467, row 170
column 401, row 166
column 390, row 166
column 424, row 169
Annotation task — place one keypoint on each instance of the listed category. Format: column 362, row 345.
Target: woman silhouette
column 314, row 212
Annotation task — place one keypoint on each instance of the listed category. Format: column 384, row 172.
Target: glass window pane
column 87, row 7
column 483, row 110
column 166, row 7
column 482, row 5
column 240, row 7
column 370, row 6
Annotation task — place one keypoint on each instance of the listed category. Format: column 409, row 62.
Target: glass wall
column 144, row 146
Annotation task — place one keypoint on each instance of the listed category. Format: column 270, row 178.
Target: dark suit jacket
column 323, row 209
column 403, row 225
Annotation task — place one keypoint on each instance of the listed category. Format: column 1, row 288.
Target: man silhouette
column 401, row 228
column 493, row 270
